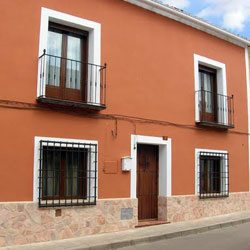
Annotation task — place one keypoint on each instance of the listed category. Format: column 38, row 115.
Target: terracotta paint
column 150, row 75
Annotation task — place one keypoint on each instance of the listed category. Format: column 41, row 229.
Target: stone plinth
column 22, row 223
column 190, row 207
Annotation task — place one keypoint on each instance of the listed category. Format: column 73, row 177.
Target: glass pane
column 53, row 61
column 200, row 76
column 208, row 93
column 74, row 174
column 73, row 75
column 51, row 173
column 208, row 177
column 202, row 177
column 215, row 176
column 200, row 88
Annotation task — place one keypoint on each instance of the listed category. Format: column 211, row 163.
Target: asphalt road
column 229, row 238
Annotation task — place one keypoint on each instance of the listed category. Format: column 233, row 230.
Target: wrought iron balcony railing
column 71, row 82
column 215, row 109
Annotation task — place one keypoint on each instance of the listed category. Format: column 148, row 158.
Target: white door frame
column 165, row 161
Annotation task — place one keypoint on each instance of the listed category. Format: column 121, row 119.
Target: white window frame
column 37, row 140
column 197, row 180
column 221, row 83
column 94, row 45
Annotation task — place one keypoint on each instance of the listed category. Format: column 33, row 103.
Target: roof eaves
column 188, row 19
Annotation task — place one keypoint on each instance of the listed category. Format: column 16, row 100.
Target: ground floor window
column 213, row 174
column 67, row 173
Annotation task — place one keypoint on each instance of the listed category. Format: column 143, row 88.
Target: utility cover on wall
column 110, row 167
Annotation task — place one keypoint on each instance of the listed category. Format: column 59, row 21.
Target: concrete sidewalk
column 140, row 235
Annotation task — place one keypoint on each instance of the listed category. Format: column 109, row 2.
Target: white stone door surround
column 165, row 161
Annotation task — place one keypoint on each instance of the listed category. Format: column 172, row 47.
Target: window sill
column 213, row 196
column 214, row 124
column 68, row 203
column 90, row 106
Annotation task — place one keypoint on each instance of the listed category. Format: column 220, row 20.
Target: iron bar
column 215, row 109
column 213, row 175
column 60, row 78
column 65, row 174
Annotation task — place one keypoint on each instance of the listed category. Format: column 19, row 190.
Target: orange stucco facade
column 150, row 92
column 150, row 75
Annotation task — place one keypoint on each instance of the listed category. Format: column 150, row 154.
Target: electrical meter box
column 126, row 163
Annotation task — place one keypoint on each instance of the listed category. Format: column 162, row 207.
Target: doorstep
column 147, row 223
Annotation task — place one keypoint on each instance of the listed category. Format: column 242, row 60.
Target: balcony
column 214, row 109
column 69, row 82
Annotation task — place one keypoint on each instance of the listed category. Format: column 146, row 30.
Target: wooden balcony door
column 208, row 94
column 66, row 73
column 147, row 181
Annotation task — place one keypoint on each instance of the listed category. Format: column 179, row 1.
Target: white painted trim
column 189, row 20
column 94, row 45
column 165, row 161
column 248, row 104
column 197, row 150
column 221, row 82
column 37, row 140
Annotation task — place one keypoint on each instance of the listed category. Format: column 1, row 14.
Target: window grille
column 67, row 174
column 213, row 175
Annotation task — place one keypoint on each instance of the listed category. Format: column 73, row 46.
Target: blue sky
column 233, row 15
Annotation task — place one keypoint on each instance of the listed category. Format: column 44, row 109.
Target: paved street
column 229, row 238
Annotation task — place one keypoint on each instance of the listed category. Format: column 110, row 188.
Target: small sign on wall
column 127, row 213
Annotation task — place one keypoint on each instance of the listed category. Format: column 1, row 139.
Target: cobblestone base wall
column 22, row 223
column 190, row 207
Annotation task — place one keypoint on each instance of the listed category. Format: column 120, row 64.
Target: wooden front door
column 147, row 181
